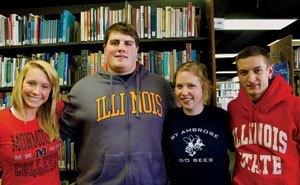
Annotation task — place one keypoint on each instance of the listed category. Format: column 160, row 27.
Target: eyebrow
column 120, row 40
column 256, row 67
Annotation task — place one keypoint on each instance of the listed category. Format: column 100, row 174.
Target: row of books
column 10, row 67
column 67, row 155
column 149, row 21
column 35, row 29
column 72, row 68
column 5, row 98
column 227, row 91
column 297, row 58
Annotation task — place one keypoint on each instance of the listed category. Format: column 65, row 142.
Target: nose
column 36, row 89
column 251, row 76
column 184, row 91
column 121, row 46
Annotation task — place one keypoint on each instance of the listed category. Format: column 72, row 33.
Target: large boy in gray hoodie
column 118, row 114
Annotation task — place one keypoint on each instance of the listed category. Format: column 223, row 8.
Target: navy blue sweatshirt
column 196, row 147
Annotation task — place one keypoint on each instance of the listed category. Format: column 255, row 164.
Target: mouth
column 34, row 98
column 253, row 86
column 185, row 100
column 121, row 56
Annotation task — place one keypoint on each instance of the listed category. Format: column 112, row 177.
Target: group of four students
column 131, row 132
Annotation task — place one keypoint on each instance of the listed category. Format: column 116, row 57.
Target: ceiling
column 234, row 41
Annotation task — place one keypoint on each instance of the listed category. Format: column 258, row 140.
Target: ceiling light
column 251, row 24
column 295, row 42
column 275, row 41
column 226, row 72
column 225, row 55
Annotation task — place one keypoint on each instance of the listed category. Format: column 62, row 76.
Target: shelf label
column 218, row 23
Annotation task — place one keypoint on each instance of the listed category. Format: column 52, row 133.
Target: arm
column 69, row 124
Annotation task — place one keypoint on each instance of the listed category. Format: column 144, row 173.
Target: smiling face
column 254, row 74
column 120, row 53
column 188, row 91
column 36, row 89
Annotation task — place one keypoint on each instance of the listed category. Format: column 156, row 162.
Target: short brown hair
column 199, row 70
column 253, row 51
column 124, row 28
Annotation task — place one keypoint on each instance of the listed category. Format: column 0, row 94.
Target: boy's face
column 254, row 75
column 120, row 53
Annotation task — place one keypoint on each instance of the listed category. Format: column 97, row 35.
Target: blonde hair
column 47, row 111
column 199, row 70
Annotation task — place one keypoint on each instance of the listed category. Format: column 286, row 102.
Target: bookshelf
column 282, row 50
column 227, row 91
column 202, row 39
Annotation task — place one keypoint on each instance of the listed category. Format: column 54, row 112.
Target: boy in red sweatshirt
column 265, row 123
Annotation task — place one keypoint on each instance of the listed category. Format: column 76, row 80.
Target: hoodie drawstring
column 111, row 81
column 138, row 92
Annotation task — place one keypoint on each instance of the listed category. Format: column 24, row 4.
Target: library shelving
column 282, row 51
column 39, row 30
column 227, row 91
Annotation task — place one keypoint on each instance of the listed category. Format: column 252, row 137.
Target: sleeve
column 60, row 105
column 170, row 95
column 296, row 108
column 69, row 124
column 230, row 144
column 165, row 145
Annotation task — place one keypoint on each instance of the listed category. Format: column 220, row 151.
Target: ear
column 104, row 46
column 270, row 71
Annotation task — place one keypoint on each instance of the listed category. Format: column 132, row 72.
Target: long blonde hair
column 47, row 111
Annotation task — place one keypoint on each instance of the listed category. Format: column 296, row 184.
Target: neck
column 30, row 114
column 195, row 111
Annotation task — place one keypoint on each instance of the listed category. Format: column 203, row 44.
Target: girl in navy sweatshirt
column 196, row 136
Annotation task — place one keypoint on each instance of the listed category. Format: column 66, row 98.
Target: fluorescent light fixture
column 273, row 42
column 295, row 42
column 226, row 72
column 251, row 24
column 225, row 55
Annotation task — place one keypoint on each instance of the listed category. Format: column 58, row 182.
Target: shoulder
column 60, row 105
column 233, row 103
column 4, row 113
column 157, row 78
column 6, row 118
column 294, row 103
column 87, row 82
column 216, row 110
column 174, row 113
column 217, row 114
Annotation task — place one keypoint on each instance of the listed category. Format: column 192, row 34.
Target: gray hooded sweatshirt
column 120, row 127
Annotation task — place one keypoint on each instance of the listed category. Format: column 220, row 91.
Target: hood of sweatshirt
column 276, row 92
column 138, row 73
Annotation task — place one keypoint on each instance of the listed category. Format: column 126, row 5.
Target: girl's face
column 188, row 92
column 36, row 88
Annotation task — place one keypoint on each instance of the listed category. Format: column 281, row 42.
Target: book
column 282, row 68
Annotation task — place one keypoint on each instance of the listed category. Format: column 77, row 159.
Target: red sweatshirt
column 267, row 137
column 26, row 154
